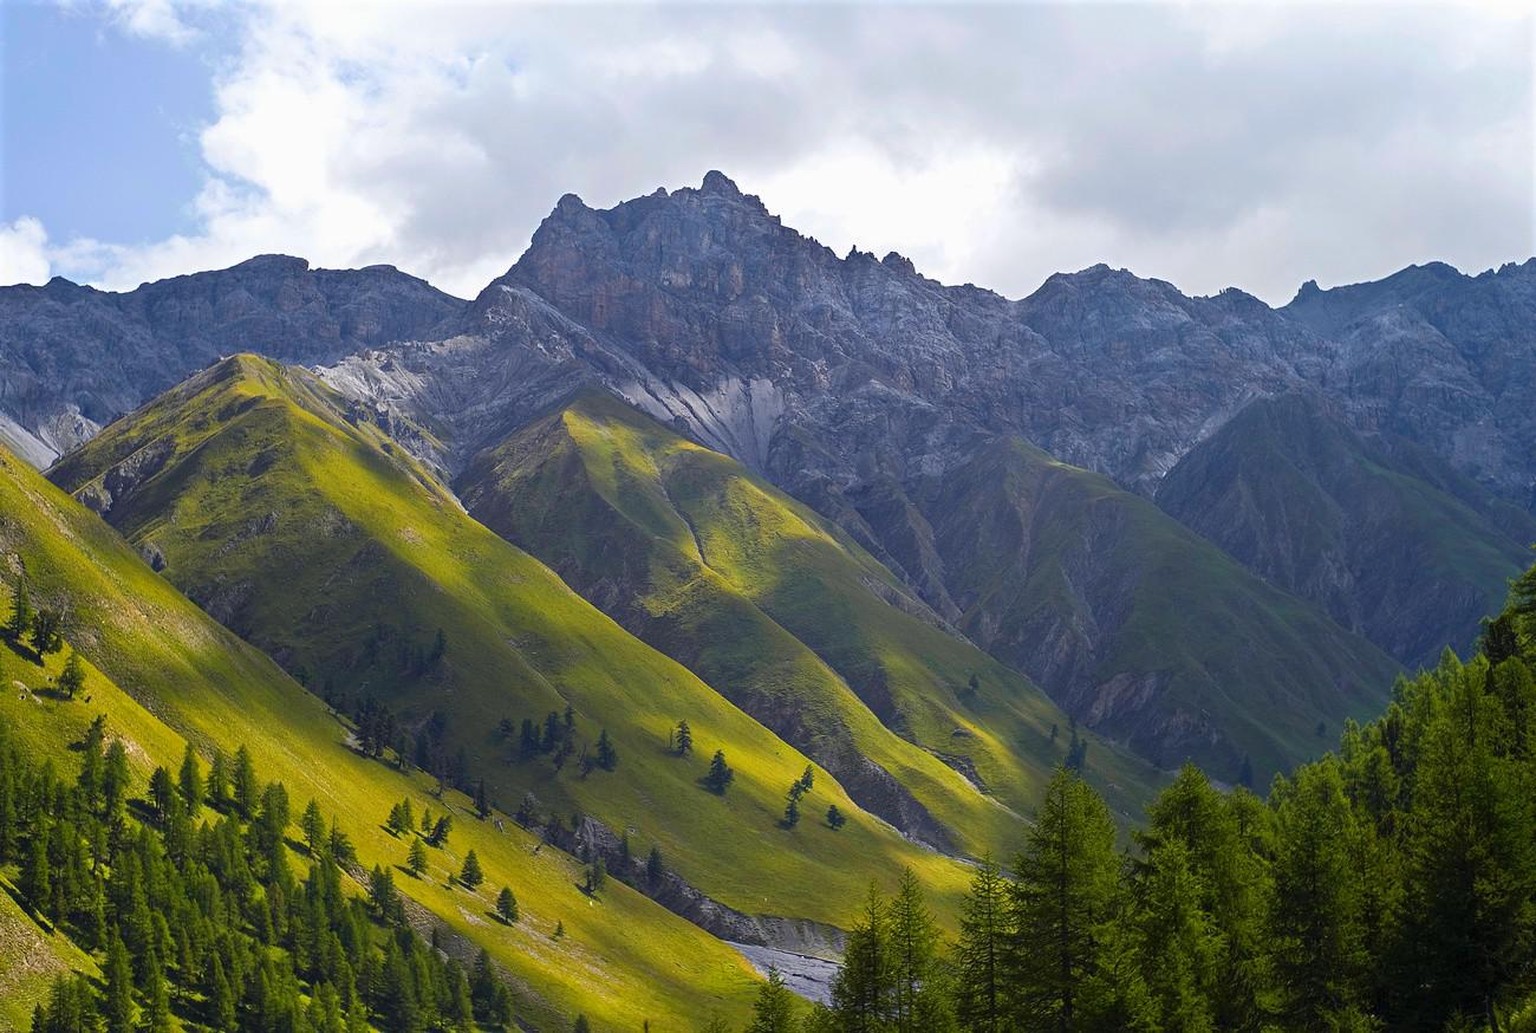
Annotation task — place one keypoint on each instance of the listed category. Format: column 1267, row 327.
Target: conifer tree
column 919, row 1005
column 607, row 754
column 720, row 774
column 114, row 782
column 157, row 997
column 243, row 782
column 190, row 782
column 47, row 632
column 21, row 611
column 792, row 812
column 1175, row 941
column 417, row 860
column 774, row 1009
column 597, row 876
column 654, row 866
column 313, row 825
column 218, row 780
column 117, row 1006
column 1314, row 926
column 471, row 875
column 979, row 953
column 863, row 992
column 221, row 996
column 684, row 738
column 1060, row 904
column 506, row 905
column 835, row 817
column 161, row 789
column 72, row 677
column 482, row 801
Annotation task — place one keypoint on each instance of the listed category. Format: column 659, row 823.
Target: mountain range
column 905, row 546
column 934, row 425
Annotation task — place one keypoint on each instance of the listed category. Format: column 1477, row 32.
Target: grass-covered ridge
column 319, row 541
column 164, row 674
column 1112, row 605
column 1382, row 534
column 781, row 610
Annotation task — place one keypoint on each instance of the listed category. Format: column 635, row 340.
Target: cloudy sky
column 1254, row 145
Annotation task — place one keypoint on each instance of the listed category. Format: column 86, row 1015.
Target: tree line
column 1390, row 885
column 202, row 914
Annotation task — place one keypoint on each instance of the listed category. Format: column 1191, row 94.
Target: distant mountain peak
column 717, row 182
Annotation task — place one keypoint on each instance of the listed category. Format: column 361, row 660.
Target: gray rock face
column 1443, row 359
column 73, row 358
column 1382, row 533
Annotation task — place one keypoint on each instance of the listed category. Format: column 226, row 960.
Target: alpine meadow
column 657, row 612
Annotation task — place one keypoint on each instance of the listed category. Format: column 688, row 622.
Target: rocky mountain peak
column 269, row 264
column 719, row 184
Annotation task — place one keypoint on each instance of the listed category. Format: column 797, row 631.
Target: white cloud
column 152, row 19
column 24, row 252
column 996, row 144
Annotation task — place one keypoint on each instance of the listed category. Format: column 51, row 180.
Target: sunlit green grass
column 348, row 536
column 778, row 608
column 624, row 959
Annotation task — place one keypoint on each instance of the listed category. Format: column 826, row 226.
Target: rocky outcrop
column 73, row 358
column 1379, row 531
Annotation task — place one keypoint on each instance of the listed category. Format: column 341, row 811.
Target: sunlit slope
column 320, row 542
column 776, row 607
column 624, row 958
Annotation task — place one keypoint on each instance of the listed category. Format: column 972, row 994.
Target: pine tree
column 72, row 677
column 47, row 632
column 1066, row 881
column 482, row 802
column 684, row 738
column 118, row 1003
column 471, row 875
column 607, row 755
column 221, row 996
column 21, row 611
column 720, row 773
column 218, row 780
column 313, row 825
column 1175, row 941
column 979, row 953
column 654, row 867
column 805, row 783
column 919, row 1006
column 440, row 831
column 161, row 789
column 835, row 817
column 417, row 860
column 774, row 1009
column 792, row 812
column 506, row 905
column 863, row 992
column 1314, row 927
column 597, row 876
column 157, row 998
column 190, row 782
column 244, row 782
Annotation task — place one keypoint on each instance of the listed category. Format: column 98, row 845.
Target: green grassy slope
column 324, row 545
column 1390, row 541
column 778, row 608
column 163, row 673
column 1153, row 634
